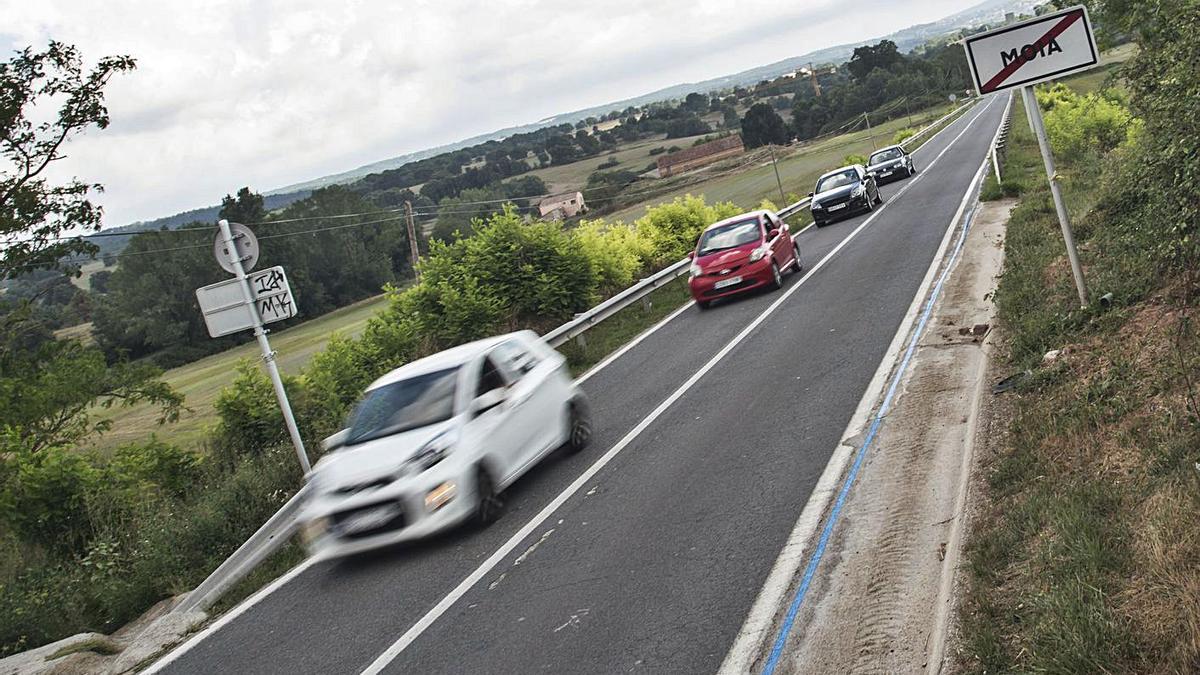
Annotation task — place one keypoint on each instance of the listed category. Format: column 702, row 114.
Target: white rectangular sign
column 225, row 310
column 1050, row 46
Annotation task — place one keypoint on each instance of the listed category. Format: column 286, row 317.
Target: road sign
column 1050, row 46
column 244, row 241
column 224, row 306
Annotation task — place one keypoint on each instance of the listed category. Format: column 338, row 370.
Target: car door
column 494, row 430
column 782, row 245
column 533, row 409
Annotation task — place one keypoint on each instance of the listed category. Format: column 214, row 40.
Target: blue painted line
column 827, row 532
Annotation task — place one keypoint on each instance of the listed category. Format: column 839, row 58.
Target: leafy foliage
column 35, row 214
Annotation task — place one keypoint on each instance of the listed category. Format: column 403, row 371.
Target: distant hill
column 989, row 11
column 110, row 243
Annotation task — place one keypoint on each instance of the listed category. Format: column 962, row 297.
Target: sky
column 268, row 93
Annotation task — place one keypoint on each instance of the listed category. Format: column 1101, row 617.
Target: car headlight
column 816, row 206
column 434, row 451
column 695, row 271
column 859, row 191
column 758, row 254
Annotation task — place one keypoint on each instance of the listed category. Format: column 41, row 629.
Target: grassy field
column 798, row 169
column 202, row 380
column 632, row 157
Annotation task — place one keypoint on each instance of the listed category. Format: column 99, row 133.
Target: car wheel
column 870, row 203
column 579, row 434
column 878, row 197
column 912, row 170
column 776, row 277
column 820, row 223
column 703, row 304
column 488, row 507
column 797, row 266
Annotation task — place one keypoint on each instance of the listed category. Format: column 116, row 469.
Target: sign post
column 234, row 250
column 1022, row 55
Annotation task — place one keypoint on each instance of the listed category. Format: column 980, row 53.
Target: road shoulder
column 884, row 602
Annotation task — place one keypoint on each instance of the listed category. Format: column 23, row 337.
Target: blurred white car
column 433, row 443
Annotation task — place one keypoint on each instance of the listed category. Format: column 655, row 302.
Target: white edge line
column 474, row 577
column 229, row 616
column 761, row 618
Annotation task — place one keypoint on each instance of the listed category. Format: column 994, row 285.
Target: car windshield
column 837, row 180
column 729, row 236
column 400, row 406
column 886, row 155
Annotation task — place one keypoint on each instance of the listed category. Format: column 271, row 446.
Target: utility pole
column 775, row 165
column 414, row 252
column 812, row 75
column 869, row 131
column 1064, row 219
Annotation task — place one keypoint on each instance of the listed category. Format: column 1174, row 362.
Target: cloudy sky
column 267, row 93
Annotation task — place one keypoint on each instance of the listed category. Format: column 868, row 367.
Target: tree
column 867, row 58
column 695, row 103
column 36, row 216
column 762, row 125
column 246, row 208
column 687, row 126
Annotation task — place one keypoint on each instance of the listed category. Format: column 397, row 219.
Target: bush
column 45, row 497
column 855, row 159
column 1078, row 124
column 608, row 164
column 903, row 135
column 657, row 151
column 672, row 229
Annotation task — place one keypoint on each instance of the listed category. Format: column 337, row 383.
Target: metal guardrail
column 582, row 322
column 274, row 533
column 280, row 527
column 999, row 151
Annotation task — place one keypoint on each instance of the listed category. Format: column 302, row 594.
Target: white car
column 433, row 443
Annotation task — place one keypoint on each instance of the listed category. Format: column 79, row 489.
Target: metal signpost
column 1024, row 54
column 250, row 301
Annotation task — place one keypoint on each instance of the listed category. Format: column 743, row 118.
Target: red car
column 740, row 254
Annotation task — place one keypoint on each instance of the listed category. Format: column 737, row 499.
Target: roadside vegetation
column 1086, row 554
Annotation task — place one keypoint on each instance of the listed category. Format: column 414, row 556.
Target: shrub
column 672, row 229
column 903, row 135
column 155, row 463
column 609, row 163
column 45, row 497
column 855, row 159
column 1080, row 124
column 250, row 419
column 615, row 251
column 657, row 151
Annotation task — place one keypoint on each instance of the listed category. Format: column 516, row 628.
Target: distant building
column 700, row 155
column 563, row 206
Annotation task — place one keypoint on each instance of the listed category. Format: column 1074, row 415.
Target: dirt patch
column 881, row 603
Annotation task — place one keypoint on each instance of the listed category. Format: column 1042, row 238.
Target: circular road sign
column 244, row 241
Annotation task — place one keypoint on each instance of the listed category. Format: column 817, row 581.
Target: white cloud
column 275, row 92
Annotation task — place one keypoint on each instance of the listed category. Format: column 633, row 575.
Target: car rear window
column 404, row 405
column 729, row 236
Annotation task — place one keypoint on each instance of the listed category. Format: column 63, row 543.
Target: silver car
column 433, row 443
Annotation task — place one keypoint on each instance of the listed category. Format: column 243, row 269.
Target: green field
column 202, row 380
column 632, row 157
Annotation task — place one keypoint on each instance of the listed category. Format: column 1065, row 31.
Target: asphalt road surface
column 654, row 563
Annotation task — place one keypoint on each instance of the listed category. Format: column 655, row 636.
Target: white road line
column 229, row 616
column 480, row 572
column 759, row 621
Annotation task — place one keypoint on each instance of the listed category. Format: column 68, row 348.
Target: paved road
column 654, row 565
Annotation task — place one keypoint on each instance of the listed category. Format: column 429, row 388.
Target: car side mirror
column 772, row 234
column 691, row 255
column 487, row 400
column 812, row 194
column 335, row 441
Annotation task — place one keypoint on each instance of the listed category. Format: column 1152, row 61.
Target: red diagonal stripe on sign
column 1059, row 29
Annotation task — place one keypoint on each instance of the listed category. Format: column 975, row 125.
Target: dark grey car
column 844, row 192
column 891, row 163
